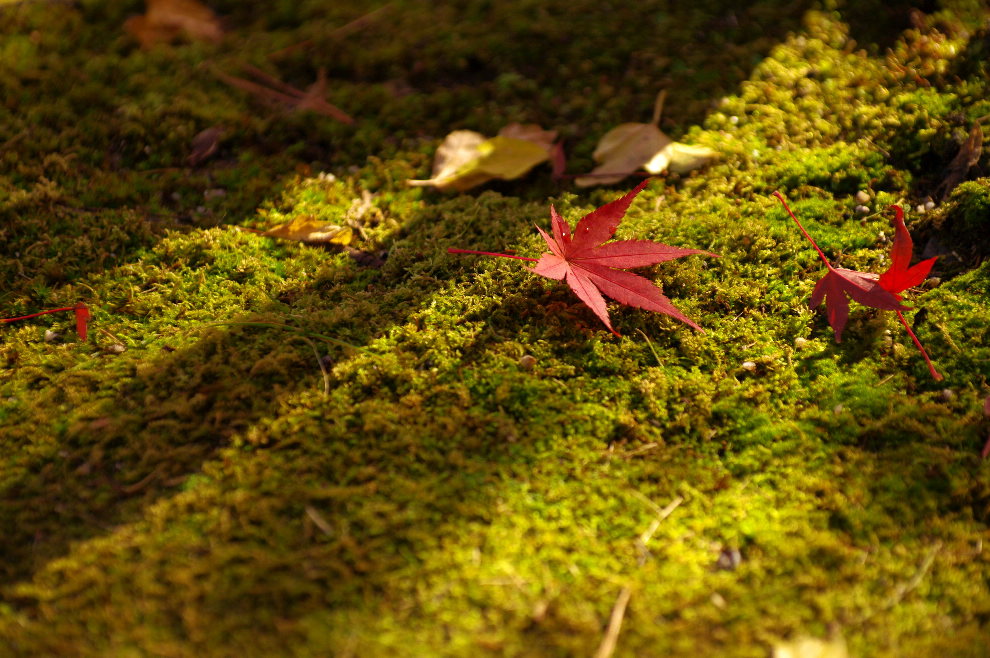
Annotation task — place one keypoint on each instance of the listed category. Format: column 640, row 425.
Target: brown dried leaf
column 631, row 146
column 282, row 93
column 968, row 155
column 168, row 20
column 204, row 145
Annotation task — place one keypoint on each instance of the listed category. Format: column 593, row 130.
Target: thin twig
column 649, row 344
column 319, row 362
column 607, row 647
column 611, row 637
column 658, row 107
column 661, row 515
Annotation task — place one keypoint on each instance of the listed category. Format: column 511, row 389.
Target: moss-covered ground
column 171, row 487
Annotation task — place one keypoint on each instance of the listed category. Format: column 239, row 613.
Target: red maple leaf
column 881, row 292
column 591, row 268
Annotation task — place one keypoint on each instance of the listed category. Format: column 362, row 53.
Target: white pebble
column 749, row 365
column 862, row 196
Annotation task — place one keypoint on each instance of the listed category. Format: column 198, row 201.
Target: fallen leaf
column 631, row 146
column 309, row 229
column 282, row 93
column 881, row 292
column 204, row 145
column 371, row 259
column 968, row 155
column 812, row 647
column 590, row 267
column 466, row 159
column 168, row 20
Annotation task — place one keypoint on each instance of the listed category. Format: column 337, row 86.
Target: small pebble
column 527, row 362
column 920, row 210
column 749, row 365
column 862, row 196
column 729, row 559
column 116, row 348
column 799, row 342
column 51, row 336
column 929, row 205
column 862, row 210
column 948, row 394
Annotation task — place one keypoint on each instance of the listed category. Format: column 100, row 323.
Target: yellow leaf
column 685, row 157
column 812, row 647
column 466, row 159
column 307, row 228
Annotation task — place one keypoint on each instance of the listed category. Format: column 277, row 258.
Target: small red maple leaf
column 881, row 292
column 591, row 268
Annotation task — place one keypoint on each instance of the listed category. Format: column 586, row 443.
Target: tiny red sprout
column 80, row 309
column 881, row 292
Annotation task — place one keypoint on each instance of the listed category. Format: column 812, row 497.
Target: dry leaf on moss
column 967, row 157
column 309, row 229
column 631, row 146
column 167, row 20
column 274, row 91
column 466, row 158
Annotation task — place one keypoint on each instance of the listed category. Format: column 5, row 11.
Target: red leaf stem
column 452, row 250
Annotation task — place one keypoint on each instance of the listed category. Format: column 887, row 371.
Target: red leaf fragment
column 899, row 277
column 881, row 292
column 591, row 268
column 82, row 320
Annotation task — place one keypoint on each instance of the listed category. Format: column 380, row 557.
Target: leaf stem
column 917, row 343
column 810, row 239
column 658, row 107
column 34, row 315
column 451, row 250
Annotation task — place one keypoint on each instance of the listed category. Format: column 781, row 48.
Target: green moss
column 478, row 477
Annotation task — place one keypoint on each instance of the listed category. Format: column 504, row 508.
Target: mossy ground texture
column 173, row 487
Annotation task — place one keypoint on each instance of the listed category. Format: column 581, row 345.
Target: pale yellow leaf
column 307, row 228
column 812, row 647
column 685, row 157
